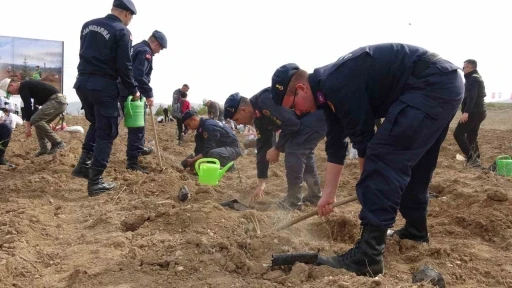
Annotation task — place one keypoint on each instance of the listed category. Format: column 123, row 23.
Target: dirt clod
column 133, row 222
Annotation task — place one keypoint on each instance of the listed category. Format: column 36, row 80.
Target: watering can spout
column 223, row 171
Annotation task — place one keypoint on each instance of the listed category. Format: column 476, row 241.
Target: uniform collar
column 146, row 43
column 202, row 121
column 254, row 103
column 114, row 17
column 315, row 82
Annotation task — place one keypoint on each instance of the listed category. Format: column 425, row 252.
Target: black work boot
column 133, row 164
column 414, row 230
column 56, row 147
column 314, row 193
column 81, row 169
column 3, row 161
column 96, row 185
column 365, row 258
column 292, row 201
column 147, row 151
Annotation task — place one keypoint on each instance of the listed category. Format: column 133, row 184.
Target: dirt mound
column 141, row 235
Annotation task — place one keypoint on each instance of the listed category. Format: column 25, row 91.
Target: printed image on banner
column 36, row 59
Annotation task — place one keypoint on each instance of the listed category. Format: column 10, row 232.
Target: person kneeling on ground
column 213, row 140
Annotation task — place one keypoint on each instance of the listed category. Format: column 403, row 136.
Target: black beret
column 231, row 105
column 160, row 37
column 280, row 81
column 126, row 5
column 188, row 114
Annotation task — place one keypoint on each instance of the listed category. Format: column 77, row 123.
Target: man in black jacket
column 473, row 114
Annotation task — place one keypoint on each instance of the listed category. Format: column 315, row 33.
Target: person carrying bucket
column 298, row 139
column 213, row 140
column 142, row 59
column 103, row 60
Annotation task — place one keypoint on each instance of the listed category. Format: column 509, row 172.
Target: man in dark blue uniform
column 142, row 57
column 298, row 139
column 5, row 137
column 105, row 45
column 418, row 94
column 213, row 140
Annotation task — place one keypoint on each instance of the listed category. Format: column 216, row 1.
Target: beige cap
column 4, row 84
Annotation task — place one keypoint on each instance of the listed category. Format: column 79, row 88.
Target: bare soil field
column 139, row 235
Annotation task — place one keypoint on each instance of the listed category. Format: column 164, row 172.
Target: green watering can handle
column 503, row 157
column 129, row 100
column 203, row 160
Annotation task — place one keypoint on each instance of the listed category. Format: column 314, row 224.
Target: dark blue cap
column 126, row 5
column 280, row 81
column 188, row 114
column 160, row 37
column 231, row 105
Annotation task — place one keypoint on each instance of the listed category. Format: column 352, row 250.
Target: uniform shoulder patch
column 205, row 135
column 266, row 113
column 148, row 56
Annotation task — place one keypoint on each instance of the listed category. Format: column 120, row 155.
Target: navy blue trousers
column 299, row 157
column 402, row 156
column 99, row 97
column 5, row 137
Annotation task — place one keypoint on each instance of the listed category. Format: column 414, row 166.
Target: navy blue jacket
column 212, row 134
column 363, row 90
column 142, row 57
column 269, row 119
column 105, row 45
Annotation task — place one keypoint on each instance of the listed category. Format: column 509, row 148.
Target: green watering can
column 134, row 112
column 504, row 165
column 209, row 172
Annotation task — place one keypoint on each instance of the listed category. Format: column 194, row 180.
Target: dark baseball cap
column 280, row 81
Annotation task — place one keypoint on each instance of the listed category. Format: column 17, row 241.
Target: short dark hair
column 471, row 62
column 185, row 85
column 183, row 94
column 244, row 102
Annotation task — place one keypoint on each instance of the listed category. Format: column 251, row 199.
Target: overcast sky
column 220, row 47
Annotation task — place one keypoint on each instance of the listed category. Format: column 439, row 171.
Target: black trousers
column 466, row 134
column 179, row 122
